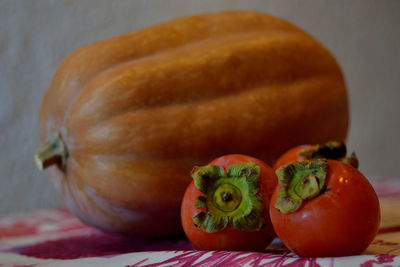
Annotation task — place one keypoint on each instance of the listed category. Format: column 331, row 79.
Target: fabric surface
column 55, row 237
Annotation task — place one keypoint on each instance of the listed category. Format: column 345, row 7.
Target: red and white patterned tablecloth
column 56, row 238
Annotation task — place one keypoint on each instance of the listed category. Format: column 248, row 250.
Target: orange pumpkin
column 127, row 118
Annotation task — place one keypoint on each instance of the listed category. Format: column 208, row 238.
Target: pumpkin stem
column 52, row 152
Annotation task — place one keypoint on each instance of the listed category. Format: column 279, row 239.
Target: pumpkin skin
column 136, row 112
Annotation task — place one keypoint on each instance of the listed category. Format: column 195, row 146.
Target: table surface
column 56, row 238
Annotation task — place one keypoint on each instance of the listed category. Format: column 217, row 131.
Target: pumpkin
column 124, row 120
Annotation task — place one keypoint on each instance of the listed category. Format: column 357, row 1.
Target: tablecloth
column 55, row 237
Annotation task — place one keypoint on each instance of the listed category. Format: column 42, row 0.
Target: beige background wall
column 36, row 35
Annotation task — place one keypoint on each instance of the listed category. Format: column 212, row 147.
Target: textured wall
column 36, row 35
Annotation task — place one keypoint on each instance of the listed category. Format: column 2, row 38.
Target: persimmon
column 324, row 208
column 226, row 206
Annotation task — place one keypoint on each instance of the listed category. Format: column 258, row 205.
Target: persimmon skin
column 231, row 238
column 342, row 221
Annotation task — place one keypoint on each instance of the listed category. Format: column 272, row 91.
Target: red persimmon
column 226, row 206
column 324, row 208
column 329, row 150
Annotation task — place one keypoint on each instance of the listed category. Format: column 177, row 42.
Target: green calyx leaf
column 251, row 221
column 328, row 150
column 229, row 197
column 200, row 202
column 203, row 175
column 300, row 181
column 213, row 223
column 331, row 150
column 352, row 160
column 248, row 170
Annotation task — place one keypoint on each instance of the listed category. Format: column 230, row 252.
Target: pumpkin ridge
column 115, row 181
column 85, row 204
column 205, row 44
column 151, row 134
column 195, row 102
column 195, row 25
column 119, row 83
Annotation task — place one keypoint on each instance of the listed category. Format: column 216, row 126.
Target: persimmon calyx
column 331, row 150
column 300, row 181
column 54, row 151
column 352, row 160
column 229, row 196
column 328, row 150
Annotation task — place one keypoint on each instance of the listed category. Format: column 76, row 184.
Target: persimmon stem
column 52, row 152
column 226, row 196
